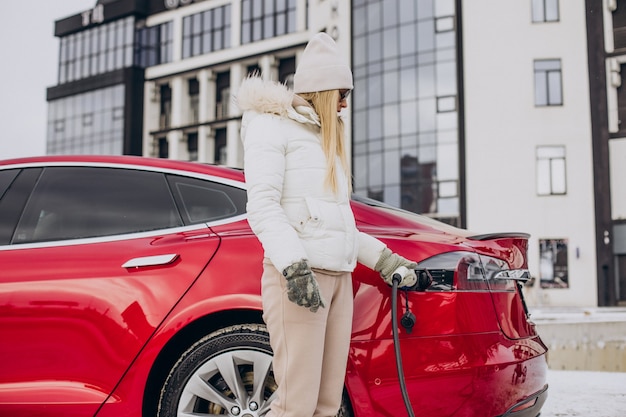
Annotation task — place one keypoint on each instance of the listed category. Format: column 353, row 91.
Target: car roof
column 127, row 160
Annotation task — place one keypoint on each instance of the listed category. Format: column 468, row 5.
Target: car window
column 80, row 202
column 15, row 187
column 205, row 201
column 6, row 178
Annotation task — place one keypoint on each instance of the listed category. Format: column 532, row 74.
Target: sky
column 29, row 59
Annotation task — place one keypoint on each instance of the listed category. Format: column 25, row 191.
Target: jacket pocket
column 312, row 225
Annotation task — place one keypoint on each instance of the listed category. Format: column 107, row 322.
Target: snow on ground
column 585, row 394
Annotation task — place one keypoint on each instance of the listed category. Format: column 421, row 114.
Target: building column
column 151, row 106
column 301, row 13
column 235, row 23
column 269, row 67
column 234, row 149
column 177, row 38
column 206, row 113
column 175, row 138
column 206, row 144
column 206, row 110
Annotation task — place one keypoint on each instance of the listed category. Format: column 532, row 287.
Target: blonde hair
column 333, row 135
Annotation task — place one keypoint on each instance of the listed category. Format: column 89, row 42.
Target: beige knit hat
column 321, row 67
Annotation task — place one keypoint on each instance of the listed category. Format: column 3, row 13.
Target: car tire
column 227, row 372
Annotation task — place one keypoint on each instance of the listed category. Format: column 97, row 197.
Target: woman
column 299, row 207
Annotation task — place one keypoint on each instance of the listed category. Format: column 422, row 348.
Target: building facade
column 489, row 116
column 543, row 149
column 97, row 105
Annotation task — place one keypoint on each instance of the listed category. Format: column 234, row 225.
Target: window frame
column 236, row 196
column 540, row 8
column 203, row 33
column 547, row 81
column 266, row 19
column 551, row 167
column 67, row 218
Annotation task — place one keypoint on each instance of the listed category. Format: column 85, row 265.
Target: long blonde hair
column 333, row 135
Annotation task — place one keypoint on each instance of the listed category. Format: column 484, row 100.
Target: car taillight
column 464, row 271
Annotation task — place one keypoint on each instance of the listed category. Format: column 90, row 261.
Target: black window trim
column 133, row 235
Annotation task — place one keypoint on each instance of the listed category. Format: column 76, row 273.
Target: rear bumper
column 529, row 407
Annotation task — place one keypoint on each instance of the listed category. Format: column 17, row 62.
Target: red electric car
column 130, row 287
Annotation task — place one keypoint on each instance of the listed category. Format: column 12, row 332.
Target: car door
column 98, row 257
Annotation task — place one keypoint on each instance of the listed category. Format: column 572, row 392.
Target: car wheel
column 228, row 372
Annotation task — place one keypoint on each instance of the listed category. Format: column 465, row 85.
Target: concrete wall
column 587, row 339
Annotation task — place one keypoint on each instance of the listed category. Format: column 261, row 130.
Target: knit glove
column 388, row 264
column 302, row 287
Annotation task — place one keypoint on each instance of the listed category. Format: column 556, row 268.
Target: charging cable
column 396, row 279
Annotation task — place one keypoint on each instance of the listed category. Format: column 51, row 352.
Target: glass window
column 391, row 121
column 220, row 147
column 222, row 95
column 6, row 178
column 82, row 202
column 193, row 87
column 390, row 43
column 93, row 52
column 162, row 147
column 404, row 62
column 446, row 104
column 154, row 45
column 408, row 117
column 165, row 111
column 548, row 90
column 96, row 50
column 390, row 13
column 166, row 41
column 426, row 81
column 359, row 27
column 204, row 201
column 551, row 175
column 192, row 146
column 102, row 49
column 545, row 11
column 207, row 31
column 444, row 7
column 408, row 80
column 391, row 90
column 374, row 19
column 407, row 10
column 286, row 70
column 78, row 123
column 408, row 37
column 110, row 49
column 553, row 264
column 444, row 24
column 15, row 190
column 265, row 19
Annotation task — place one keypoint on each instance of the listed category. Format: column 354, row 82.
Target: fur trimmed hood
column 260, row 96
column 264, row 96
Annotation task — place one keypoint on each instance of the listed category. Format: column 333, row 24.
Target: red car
column 130, row 287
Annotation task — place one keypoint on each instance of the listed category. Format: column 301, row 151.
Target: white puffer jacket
column 289, row 209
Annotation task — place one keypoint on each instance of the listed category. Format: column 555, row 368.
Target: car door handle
column 151, row 260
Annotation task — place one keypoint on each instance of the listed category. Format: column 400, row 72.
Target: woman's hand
column 391, row 263
column 302, row 287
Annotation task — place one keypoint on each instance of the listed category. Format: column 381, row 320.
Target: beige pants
column 310, row 349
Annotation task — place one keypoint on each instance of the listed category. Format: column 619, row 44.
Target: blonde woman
column 299, row 207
